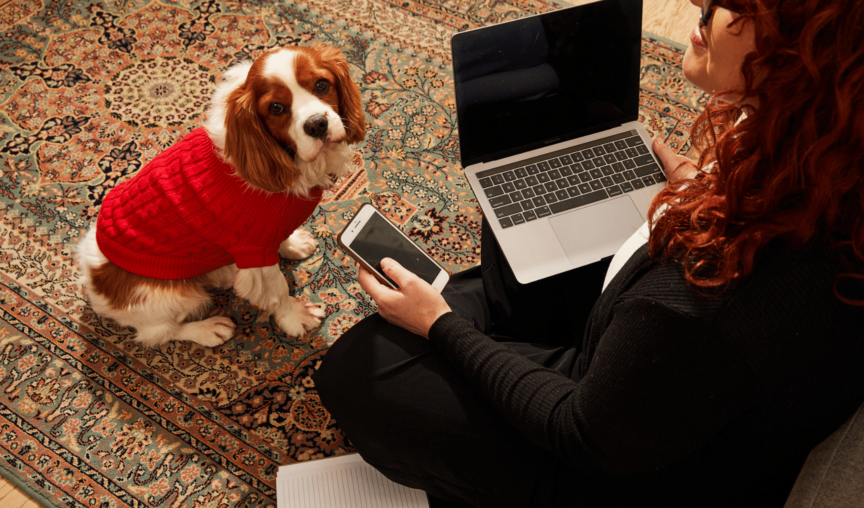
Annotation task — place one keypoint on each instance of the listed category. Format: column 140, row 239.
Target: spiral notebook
column 346, row 481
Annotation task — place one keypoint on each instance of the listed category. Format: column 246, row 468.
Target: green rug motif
column 89, row 93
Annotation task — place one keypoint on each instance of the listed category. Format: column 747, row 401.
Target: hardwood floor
column 671, row 19
column 11, row 497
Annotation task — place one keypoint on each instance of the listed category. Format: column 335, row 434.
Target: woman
column 718, row 354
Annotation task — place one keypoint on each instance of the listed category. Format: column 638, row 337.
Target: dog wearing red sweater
column 219, row 207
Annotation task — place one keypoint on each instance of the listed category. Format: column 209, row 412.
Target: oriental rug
column 90, row 91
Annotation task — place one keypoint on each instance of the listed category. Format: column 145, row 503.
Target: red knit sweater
column 187, row 213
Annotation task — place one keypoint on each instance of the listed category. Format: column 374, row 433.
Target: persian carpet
column 90, row 91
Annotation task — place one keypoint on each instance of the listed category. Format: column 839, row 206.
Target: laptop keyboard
column 568, row 179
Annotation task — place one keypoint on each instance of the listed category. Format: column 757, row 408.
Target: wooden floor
column 10, row 497
column 671, row 19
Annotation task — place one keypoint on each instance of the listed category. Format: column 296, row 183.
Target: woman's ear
column 250, row 148
column 350, row 107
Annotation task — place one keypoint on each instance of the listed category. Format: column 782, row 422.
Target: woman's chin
column 691, row 67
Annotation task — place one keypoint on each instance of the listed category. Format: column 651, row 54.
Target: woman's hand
column 677, row 167
column 415, row 306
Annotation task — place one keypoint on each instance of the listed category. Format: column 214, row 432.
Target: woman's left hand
column 415, row 306
column 677, row 167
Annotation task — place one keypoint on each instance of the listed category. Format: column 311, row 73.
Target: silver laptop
column 550, row 140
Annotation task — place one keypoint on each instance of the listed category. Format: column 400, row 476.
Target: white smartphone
column 371, row 237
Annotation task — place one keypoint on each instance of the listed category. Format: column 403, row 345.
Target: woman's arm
column 659, row 387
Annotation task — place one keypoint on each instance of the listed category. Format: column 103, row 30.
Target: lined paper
column 342, row 482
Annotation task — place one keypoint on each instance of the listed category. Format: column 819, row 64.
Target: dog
column 219, row 207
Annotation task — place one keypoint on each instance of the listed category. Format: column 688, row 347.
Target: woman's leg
column 551, row 311
column 419, row 422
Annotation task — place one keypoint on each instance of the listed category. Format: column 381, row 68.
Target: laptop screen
column 532, row 82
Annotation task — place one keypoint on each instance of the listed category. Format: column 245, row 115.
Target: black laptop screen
column 532, row 82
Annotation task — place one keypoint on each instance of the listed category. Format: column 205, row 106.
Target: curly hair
column 790, row 170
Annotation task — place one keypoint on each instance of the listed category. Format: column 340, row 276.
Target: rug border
column 660, row 38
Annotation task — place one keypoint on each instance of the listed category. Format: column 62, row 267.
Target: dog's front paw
column 299, row 318
column 300, row 245
column 209, row 332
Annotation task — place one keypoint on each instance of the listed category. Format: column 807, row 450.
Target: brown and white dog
column 283, row 125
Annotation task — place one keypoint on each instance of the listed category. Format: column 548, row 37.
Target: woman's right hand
column 677, row 167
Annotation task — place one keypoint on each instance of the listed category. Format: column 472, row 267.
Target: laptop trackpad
column 596, row 231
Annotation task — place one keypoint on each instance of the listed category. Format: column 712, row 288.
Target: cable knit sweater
column 187, row 213
column 728, row 394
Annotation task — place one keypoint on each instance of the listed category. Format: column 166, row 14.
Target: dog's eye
column 322, row 86
column 277, row 109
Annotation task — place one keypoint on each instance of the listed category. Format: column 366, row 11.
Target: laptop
column 551, row 145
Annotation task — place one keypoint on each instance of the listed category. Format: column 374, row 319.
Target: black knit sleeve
column 659, row 386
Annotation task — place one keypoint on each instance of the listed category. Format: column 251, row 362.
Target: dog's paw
column 209, row 332
column 313, row 316
column 300, row 318
column 300, row 245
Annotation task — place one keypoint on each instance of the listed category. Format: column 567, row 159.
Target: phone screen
column 380, row 239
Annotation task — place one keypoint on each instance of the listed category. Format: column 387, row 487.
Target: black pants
column 418, row 421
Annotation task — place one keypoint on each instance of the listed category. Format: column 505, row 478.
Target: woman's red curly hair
column 791, row 170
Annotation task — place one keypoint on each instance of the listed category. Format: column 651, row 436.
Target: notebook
column 551, row 145
column 346, row 481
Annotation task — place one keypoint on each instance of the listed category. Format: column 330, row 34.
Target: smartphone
column 371, row 237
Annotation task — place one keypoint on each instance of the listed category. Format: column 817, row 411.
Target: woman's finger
column 665, row 154
column 676, row 167
column 371, row 284
column 397, row 272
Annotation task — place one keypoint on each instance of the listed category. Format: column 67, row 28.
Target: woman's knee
column 355, row 363
column 341, row 358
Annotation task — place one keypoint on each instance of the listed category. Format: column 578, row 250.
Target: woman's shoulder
column 785, row 318
column 784, row 279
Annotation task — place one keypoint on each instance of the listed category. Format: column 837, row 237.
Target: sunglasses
column 708, row 8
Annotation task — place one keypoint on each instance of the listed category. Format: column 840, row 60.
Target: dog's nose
column 316, row 126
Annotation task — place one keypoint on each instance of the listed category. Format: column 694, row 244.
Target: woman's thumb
column 394, row 270
column 663, row 152
column 675, row 166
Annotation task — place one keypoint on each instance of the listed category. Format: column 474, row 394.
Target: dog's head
column 289, row 102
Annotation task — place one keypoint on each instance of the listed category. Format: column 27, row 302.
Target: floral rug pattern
column 90, row 91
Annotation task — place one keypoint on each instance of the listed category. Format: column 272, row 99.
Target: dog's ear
column 259, row 159
column 350, row 107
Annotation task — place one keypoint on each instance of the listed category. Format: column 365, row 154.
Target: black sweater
column 737, row 387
